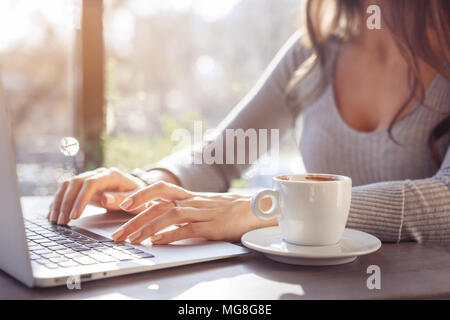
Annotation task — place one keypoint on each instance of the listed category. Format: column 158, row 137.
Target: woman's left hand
column 212, row 216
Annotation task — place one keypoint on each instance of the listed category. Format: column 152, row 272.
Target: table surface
column 408, row 270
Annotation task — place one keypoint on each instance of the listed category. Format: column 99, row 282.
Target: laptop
column 40, row 254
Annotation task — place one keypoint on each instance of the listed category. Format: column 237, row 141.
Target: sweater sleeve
column 411, row 210
column 264, row 107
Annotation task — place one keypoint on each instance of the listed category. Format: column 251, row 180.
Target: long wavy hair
column 409, row 22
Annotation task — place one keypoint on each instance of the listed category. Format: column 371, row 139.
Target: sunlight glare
column 21, row 21
column 207, row 9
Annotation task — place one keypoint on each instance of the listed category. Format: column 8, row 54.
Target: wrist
column 157, row 174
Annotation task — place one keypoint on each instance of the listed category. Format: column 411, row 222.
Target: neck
column 379, row 45
column 379, row 42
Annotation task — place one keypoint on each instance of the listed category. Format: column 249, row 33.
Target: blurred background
column 122, row 75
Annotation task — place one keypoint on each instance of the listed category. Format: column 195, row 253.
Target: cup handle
column 256, row 208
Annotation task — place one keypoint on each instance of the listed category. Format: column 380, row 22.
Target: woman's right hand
column 102, row 187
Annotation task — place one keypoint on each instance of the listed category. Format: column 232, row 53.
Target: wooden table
column 408, row 270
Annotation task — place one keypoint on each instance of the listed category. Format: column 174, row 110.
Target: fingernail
column 52, row 217
column 60, row 220
column 109, row 199
column 134, row 236
column 118, row 233
column 73, row 214
column 156, row 237
column 126, row 204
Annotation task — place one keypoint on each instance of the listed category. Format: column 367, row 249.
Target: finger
column 140, row 209
column 221, row 196
column 50, row 209
column 173, row 216
column 90, row 187
column 193, row 230
column 157, row 209
column 112, row 201
column 201, row 202
column 56, row 205
column 158, row 190
column 70, row 195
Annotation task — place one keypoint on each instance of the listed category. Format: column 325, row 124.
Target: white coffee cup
column 312, row 209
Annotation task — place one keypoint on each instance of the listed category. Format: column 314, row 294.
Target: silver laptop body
column 40, row 254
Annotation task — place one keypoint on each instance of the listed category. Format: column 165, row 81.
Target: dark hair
column 409, row 22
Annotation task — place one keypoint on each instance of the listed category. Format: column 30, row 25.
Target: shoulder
column 293, row 53
column 437, row 96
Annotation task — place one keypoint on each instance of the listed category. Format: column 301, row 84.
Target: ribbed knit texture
column 398, row 194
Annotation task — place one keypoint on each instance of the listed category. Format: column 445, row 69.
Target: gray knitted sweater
column 398, row 193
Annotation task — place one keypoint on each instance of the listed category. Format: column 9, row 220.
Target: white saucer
column 269, row 241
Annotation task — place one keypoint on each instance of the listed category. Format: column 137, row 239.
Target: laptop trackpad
column 103, row 223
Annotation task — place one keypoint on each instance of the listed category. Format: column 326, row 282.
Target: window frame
column 89, row 115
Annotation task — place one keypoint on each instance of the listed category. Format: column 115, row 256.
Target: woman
column 375, row 105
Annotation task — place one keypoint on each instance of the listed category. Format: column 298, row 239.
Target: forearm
column 411, row 210
column 427, row 208
column 378, row 209
column 153, row 175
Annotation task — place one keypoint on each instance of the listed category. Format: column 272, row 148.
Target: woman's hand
column 212, row 216
column 102, row 187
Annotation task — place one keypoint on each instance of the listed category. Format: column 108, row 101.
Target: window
column 164, row 65
column 36, row 73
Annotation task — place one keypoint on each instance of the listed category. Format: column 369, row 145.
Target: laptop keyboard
column 55, row 246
